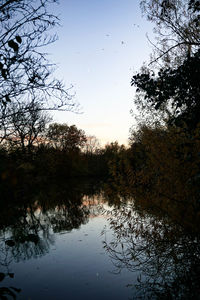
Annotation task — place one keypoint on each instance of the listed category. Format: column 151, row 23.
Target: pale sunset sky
column 101, row 43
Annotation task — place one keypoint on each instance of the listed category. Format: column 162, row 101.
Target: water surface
column 75, row 243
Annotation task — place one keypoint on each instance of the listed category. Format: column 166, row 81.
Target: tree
column 92, row 145
column 26, row 74
column 25, row 127
column 195, row 5
column 175, row 91
column 172, row 91
column 66, row 138
column 177, row 25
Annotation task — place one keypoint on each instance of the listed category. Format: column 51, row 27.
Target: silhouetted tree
column 24, row 129
column 66, row 138
column 176, row 28
column 26, row 75
column 169, row 91
column 92, row 145
column 173, row 91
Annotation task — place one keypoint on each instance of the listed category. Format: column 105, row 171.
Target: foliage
column 66, row 138
column 167, row 175
column 164, row 155
column 58, row 152
column 169, row 87
column 173, row 90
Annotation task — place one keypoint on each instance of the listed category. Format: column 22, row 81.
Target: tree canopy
column 66, row 138
column 176, row 89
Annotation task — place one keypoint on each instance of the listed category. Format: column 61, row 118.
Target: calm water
column 78, row 244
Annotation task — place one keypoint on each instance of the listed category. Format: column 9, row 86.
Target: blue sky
column 101, row 43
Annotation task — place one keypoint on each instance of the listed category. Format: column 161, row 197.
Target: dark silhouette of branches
column 176, row 29
column 25, row 127
column 26, row 73
column 165, row 258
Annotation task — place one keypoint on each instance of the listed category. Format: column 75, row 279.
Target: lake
column 76, row 242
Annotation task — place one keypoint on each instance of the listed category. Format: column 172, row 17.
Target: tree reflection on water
column 165, row 256
column 29, row 221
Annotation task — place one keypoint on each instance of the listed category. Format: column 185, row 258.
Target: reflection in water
column 27, row 229
column 163, row 256
column 31, row 233
column 166, row 258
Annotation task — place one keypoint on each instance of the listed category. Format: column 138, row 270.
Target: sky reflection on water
column 69, row 265
column 74, row 246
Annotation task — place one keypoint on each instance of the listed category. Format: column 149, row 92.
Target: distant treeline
column 61, row 152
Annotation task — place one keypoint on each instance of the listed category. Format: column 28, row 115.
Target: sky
column 101, row 43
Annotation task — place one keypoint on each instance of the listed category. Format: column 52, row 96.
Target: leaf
column 13, row 45
column 18, row 39
column 4, row 73
column 7, row 98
